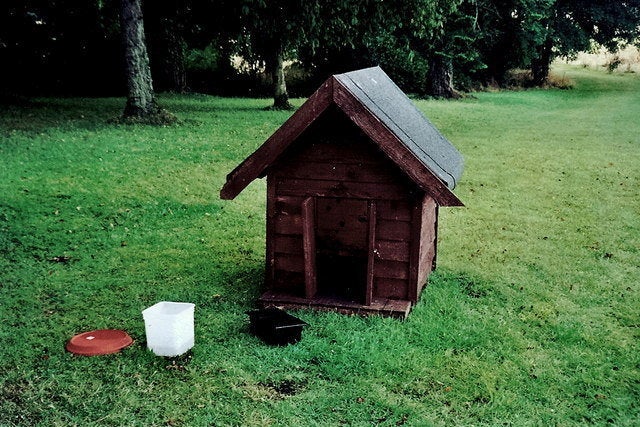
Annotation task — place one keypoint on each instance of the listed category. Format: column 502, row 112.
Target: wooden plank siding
column 337, row 169
column 428, row 240
column 333, row 158
column 285, row 261
column 309, row 246
column 254, row 165
column 270, row 255
column 395, row 236
column 393, row 249
column 339, row 188
column 394, row 230
column 390, row 288
column 371, row 250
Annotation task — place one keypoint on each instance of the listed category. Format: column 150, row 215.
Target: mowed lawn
column 532, row 317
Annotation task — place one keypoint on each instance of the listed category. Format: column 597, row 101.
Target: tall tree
column 305, row 30
column 447, row 27
column 419, row 42
column 397, row 35
column 430, row 31
column 141, row 100
column 498, row 43
column 141, row 103
column 165, row 27
column 62, row 47
column 273, row 29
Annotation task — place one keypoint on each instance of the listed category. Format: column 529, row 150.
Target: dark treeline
column 429, row 47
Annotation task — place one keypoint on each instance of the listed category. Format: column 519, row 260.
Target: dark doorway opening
column 342, row 277
column 341, row 249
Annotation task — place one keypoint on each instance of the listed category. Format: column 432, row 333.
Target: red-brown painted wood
column 287, row 244
column 342, row 189
column 391, row 269
column 271, row 214
column 414, row 252
column 394, row 230
column 291, row 282
column 427, row 239
column 371, row 259
column 309, row 246
column 392, row 250
column 394, row 210
column 379, row 306
column 290, row 262
column 253, row 166
column 391, row 288
column 288, row 224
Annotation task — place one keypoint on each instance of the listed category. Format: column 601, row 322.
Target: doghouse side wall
column 428, row 240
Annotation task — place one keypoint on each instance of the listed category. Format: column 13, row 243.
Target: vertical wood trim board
column 368, row 297
column 270, row 258
column 414, row 254
column 309, row 247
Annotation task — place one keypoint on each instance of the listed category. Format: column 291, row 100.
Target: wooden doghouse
column 354, row 181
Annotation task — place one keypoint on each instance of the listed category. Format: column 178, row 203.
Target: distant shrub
column 560, row 82
column 406, row 67
column 206, row 59
column 300, row 81
column 519, row 79
column 613, row 63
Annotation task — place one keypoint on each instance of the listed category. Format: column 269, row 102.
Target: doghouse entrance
column 337, row 249
column 341, row 277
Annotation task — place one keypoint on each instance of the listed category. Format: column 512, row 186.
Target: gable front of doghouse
column 344, row 224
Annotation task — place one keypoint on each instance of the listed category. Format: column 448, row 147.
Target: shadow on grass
column 39, row 115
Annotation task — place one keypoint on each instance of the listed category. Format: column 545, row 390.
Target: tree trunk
column 140, row 97
column 175, row 70
column 280, row 95
column 541, row 64
column 440, row 78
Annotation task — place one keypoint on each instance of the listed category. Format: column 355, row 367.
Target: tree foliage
column 565, row 27
column 427, row 46
column 271, row 30
column 531, row 33
column 62, row 46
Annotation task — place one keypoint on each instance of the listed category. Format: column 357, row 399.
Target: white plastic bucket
column 169, row 327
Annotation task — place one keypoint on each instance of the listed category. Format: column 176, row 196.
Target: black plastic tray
column 274, row 326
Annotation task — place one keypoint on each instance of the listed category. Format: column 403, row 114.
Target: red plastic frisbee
column 102, row 341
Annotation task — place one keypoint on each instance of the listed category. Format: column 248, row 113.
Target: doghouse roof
column 386, row 115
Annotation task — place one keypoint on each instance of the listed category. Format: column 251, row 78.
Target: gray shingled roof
column 378, row 93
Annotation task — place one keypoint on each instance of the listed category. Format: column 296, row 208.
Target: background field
column 626, row 60
column 531, row 318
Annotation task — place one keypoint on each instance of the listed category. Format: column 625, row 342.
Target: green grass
column 532, row 317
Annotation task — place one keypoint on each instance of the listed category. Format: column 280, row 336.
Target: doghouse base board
column 383, row 307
